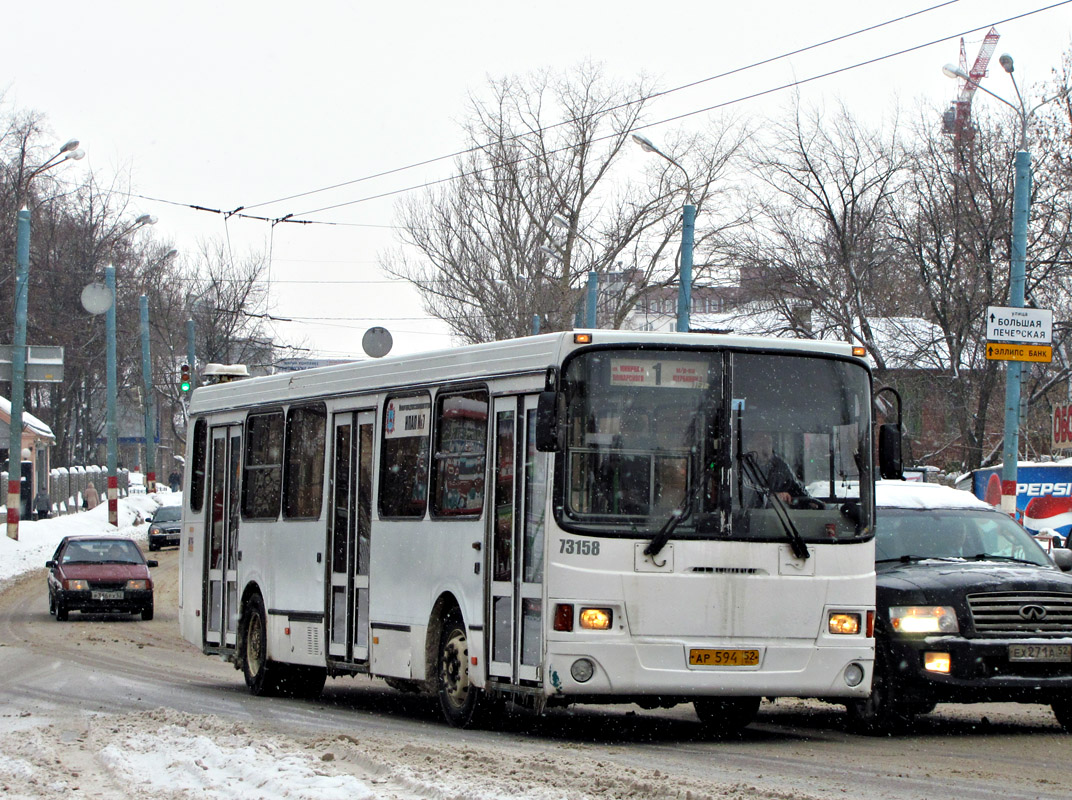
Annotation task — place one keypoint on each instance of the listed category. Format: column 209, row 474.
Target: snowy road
column 100, row 707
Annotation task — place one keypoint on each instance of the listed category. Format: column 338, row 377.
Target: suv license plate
column 723, row 658
column 1040, row 652
column 107, row 595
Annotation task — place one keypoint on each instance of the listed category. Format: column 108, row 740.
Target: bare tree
column 539, row 203
column 219, row 293
column 816, row 254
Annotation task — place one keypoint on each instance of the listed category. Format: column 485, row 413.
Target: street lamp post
column 1017, row 273
column 147, row 380
column 69, row 151
column 110, row 420
column 688, row 232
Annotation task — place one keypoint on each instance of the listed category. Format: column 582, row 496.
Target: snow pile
column 226, row 767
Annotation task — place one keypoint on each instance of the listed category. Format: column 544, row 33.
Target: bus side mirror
column 889, row 451
column 548, row 435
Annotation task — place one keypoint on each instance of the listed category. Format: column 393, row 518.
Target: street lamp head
column 1006, row 62
column 645, row 143
column 953, row 71
column 550, row 251
column 74, row 155
column 560, row 220
column 145, row 219
column 71, row 145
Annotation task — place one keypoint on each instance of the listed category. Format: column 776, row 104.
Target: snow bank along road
column 104, row 707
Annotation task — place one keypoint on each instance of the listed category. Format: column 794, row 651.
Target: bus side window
column 263, row 468
column 404, row 456
column 460, row 455
column 303, row 476
column 197, row 466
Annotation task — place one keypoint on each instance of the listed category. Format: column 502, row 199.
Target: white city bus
column 571, row 517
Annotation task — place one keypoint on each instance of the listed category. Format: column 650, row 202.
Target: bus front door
column 516, row 533
column 349, row 535
column 221, row 532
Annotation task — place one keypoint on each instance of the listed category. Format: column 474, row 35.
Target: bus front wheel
column 459, row 700
column 256, row 668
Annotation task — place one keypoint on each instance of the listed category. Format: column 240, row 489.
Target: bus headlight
column 841, row 622
column 595, row 619
column 923, row 619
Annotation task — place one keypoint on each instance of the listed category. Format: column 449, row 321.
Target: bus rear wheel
column 461, row 702
column 726, row 716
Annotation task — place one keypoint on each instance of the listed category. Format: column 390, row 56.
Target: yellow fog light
column 937, row 662
column 844, row 623
column 595, row 619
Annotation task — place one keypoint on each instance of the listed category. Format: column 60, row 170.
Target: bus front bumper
column 685, row 669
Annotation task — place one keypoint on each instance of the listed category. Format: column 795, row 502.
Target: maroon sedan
column 99, row 574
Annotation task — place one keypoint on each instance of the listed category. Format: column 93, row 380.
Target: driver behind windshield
column 778, row 475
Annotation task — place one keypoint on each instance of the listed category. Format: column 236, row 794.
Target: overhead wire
column 611, row 109
column 715, row 107
column 296, row 218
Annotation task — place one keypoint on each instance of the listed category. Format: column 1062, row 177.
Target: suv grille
column 1023, row 613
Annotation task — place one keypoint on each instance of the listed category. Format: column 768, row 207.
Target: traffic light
column 184, row 379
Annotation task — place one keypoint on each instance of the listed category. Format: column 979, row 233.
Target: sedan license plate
column 702, row 657
column 1040, row 652
column 107, row 595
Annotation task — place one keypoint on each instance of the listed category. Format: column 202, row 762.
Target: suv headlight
column 923, row 619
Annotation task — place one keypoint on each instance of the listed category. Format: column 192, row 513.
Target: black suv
column 165, row 527
column 969, row 609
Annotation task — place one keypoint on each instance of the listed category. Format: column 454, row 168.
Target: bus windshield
column 721, row 444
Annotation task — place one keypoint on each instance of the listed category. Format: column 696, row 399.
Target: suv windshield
column 723, row 444
column 168, row 514
column 912, row 535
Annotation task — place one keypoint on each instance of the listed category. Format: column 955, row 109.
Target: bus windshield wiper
column 755, row 475
column 659, row 540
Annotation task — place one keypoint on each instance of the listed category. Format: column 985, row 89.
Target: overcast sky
column 235, row 103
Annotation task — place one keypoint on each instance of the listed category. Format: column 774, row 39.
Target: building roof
column 30, row 423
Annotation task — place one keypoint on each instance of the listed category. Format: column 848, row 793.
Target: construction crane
column 956, row 121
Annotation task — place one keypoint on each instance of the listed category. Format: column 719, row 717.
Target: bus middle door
column 350, row 536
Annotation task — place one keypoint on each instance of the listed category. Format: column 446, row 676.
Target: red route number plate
column 723, row 658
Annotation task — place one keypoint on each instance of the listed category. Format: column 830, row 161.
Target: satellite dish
column 96, row 298
column 376, row 342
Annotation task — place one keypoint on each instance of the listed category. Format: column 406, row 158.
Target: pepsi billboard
column 1043, row 495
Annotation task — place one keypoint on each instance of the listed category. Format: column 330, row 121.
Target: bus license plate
column 1040, row 652
column 723, row 658
column 107, row 595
